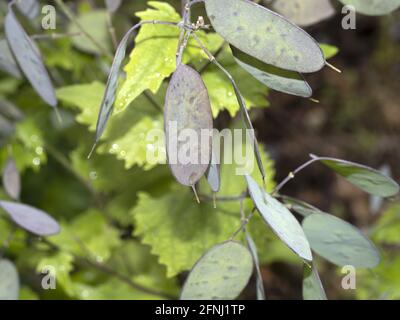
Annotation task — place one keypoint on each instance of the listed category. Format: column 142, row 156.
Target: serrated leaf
column 187, row 107
column 30, row 218
column 274, row 78
column 367, row 179
column 12, row 180
column 95, row 24
column 265, row 35
column 7, row 61
column 280, row 219
column 304, row 12
column 153, row 58
column 373, row 7
column 221, row 274
column 339, row 242
column 312, row 286
column 88, row 235
column 9, row 281
column 29, row 59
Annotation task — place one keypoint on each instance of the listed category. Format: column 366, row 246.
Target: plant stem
column 111, row 29
column 54, row 35
column 292, row 174
column 245, row 221
column 70, row 15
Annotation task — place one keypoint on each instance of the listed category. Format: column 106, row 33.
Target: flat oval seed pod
column 31, row 219
column 259, row 280
column 367, row 179
column 221, row 274
column 280, row 219
column 187, row 116
column 312, row 286
column 339, row 242
column 7, row 61
column 300, row 207
column 11, row 180
column 274, row 78
column 265, row 35
column 29, row 8
column 9, row 281
column 304, row 12
column 107, row 103
column 29, row 59
column 213, row 174
column 373, row 7
column 113, row 5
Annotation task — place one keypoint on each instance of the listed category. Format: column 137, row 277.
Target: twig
column 7, row 241
column 245, row 221
column 292, row 174
column 111, row 29
column 67, row 11
column 240, row 197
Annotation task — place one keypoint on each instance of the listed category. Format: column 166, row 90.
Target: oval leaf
column 31, row 219
column 312, row 286
column 265, row 35
column 339, row 242
column 221, row 274
column 367, row 179
column 373, row 7
column 7, row 62
column 187, row 107
column 280, row 219
column 274, row 78
column 9, row 281
column 305, row 12
column 29, row 59
column 11, row 180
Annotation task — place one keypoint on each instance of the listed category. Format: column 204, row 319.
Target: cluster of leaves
column 127, row 229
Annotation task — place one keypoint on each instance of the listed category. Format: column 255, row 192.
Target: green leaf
column 329, row 50
column 312, row 286
column 88, row 234
column 187, row 107
column 221, row 274
column 387, row 230
column 179, row 230
column 125, row 137
column 305, row 12
column 339, row 242
column 60, row 266
column 367, row 179
column 274, row 78
column 153, row 58
column 94, row 23
column 280, row 219
column 9, row 281
column 373, row 7
column 265, row 35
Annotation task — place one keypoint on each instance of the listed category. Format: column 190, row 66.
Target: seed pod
column 188, row 126
column 265, row 35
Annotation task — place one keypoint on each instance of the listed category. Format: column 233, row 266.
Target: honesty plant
column 276, row 52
